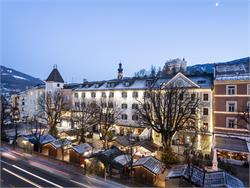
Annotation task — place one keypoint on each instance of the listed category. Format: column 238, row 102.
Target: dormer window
column 97, row 85
column 126, row 84
column 148, row 83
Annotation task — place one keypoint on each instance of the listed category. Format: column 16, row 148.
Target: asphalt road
column 18, row 172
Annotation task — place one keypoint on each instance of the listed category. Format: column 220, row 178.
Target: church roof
column 55, row 76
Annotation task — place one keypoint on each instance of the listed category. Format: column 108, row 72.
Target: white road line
column 6, row 162
column 80, row 184
column 56, row 185
column 22, row 178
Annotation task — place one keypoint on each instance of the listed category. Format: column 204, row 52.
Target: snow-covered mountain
column 15, row 81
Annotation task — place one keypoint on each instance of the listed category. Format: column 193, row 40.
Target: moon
column 216, row 4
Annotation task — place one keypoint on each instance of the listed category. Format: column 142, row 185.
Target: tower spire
column 120, row 71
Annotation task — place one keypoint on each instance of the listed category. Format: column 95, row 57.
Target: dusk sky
column 87, row 39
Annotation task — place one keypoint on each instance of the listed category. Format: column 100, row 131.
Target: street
column 21, row 170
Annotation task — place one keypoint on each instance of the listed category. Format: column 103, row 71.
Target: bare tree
column 244, row 116
column 86, row 116
column 37, row 130
column 108, row 115
column 168, row 109
column 51, row 106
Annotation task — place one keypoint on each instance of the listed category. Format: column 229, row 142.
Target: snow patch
column 19, row 77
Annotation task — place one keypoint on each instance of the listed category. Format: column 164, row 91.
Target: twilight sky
column 87, row 39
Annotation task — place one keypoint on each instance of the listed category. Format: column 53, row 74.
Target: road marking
column 56, row 185
column 80, row 184
column 22, row 178
column 6, row 162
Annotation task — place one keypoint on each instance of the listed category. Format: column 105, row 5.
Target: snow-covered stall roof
column 61, row 142
column 204, row 178
column 123, row 159
column 82, row 148
column 150, row 163
column 47, row 138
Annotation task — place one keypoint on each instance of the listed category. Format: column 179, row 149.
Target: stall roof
column 150, row 163
column 61, row 142
column 82, row 148
column 204, row 178
column 124, row 141
column 149, row 145
column 44, row 139
column 123, row 159
column 231, row 144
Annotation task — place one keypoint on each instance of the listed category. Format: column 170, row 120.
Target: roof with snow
column 82, row 148
column 233, row 70
column 150, row 163
column 61, row 143
column 205, row 81
column 55, row 76
column 236, row 144
column 44, row 139
column 203, row 178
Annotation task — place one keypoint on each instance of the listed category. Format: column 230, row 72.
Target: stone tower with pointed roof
column 54, row 81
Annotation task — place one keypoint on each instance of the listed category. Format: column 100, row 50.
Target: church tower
column 54, row 81
column 120, row 72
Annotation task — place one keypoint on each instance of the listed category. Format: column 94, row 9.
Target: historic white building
column 126, row 92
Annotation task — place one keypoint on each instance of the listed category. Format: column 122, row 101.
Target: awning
column 232, row 144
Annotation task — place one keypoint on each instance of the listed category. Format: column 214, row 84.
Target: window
column 205, row 126
column 205, row 111
column 135, row 94
column 124, row 94
column 97, row 85
column 134, row 106
column 231, row 122
column 193, row 96
column 146, row 94
column 104, row 105
column 134, row 117
column 248, row 89
column 76, row 95
column 110, row 105
column 124, row 106
column 231, row 89
column 248, row 106
column 77, row 104
column 58, row 85
column 93, row 94
column 124, row 116
column 181, row 96
column 192, row 110
column 111, row 95
column 148, row 83
column 83, row 95
column 22, row 103
column 231, row 106
column 205, row 97
column 103, row 94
